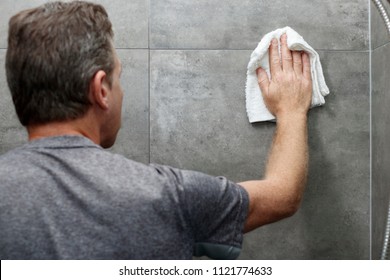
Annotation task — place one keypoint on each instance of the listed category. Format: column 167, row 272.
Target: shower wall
column 380, row 128
column 184, row 71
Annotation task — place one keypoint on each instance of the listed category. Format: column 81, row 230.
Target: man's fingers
column 263, row 80
column 274, row 59
column 306, row 66
column 287, row 59
column 297, row 63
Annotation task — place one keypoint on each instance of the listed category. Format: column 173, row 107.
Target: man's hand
column 290, row 88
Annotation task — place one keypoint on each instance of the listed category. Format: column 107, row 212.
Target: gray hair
column 53, row 53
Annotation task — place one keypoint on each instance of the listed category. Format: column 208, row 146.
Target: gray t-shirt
column 67, row 198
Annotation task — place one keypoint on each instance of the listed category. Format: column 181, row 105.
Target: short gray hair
column 53, row 53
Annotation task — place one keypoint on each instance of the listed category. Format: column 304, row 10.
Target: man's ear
column 99, row 90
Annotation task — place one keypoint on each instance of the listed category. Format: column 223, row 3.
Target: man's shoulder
column 10, row 155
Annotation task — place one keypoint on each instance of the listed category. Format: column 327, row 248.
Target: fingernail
column 274, row 41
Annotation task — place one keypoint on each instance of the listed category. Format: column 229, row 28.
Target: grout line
column 249, row 50
column 131, row 48
column 197, row 49
column 344, row 51
column 149, row 78
column 370, row 102
column 206, row 49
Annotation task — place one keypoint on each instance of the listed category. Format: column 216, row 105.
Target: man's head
column 54, row 52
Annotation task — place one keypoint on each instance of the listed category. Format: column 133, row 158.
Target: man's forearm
column 279, row 193
column 287, row 166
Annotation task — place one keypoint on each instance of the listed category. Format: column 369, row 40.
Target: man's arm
column 288, row 96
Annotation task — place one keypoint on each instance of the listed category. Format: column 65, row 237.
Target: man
column 62, row 196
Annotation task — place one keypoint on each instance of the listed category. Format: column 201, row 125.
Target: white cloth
column 255, row 107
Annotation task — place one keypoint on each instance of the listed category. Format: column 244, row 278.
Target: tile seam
column 370, row 109
column 318, row 50
column 149, row 84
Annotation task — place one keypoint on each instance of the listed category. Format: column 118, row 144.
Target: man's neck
column 74, row 127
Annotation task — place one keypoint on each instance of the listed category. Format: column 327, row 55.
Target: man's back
column 65, row 197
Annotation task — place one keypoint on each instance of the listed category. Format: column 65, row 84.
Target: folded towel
column 255, row 107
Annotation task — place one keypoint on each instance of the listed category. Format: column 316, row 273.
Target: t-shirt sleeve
column 216, row 210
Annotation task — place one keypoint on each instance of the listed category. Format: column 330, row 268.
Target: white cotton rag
column 255, row 107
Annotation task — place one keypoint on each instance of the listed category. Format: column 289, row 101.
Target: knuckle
column 275, row 60
column 289, row 77
column 277, row 76
column 298, row 62
column 306, row 84
column 262, row 80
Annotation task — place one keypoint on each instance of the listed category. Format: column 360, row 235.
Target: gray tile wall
column 380, row 129
column 380, row 146
column 184, row 79
column 12, row 134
